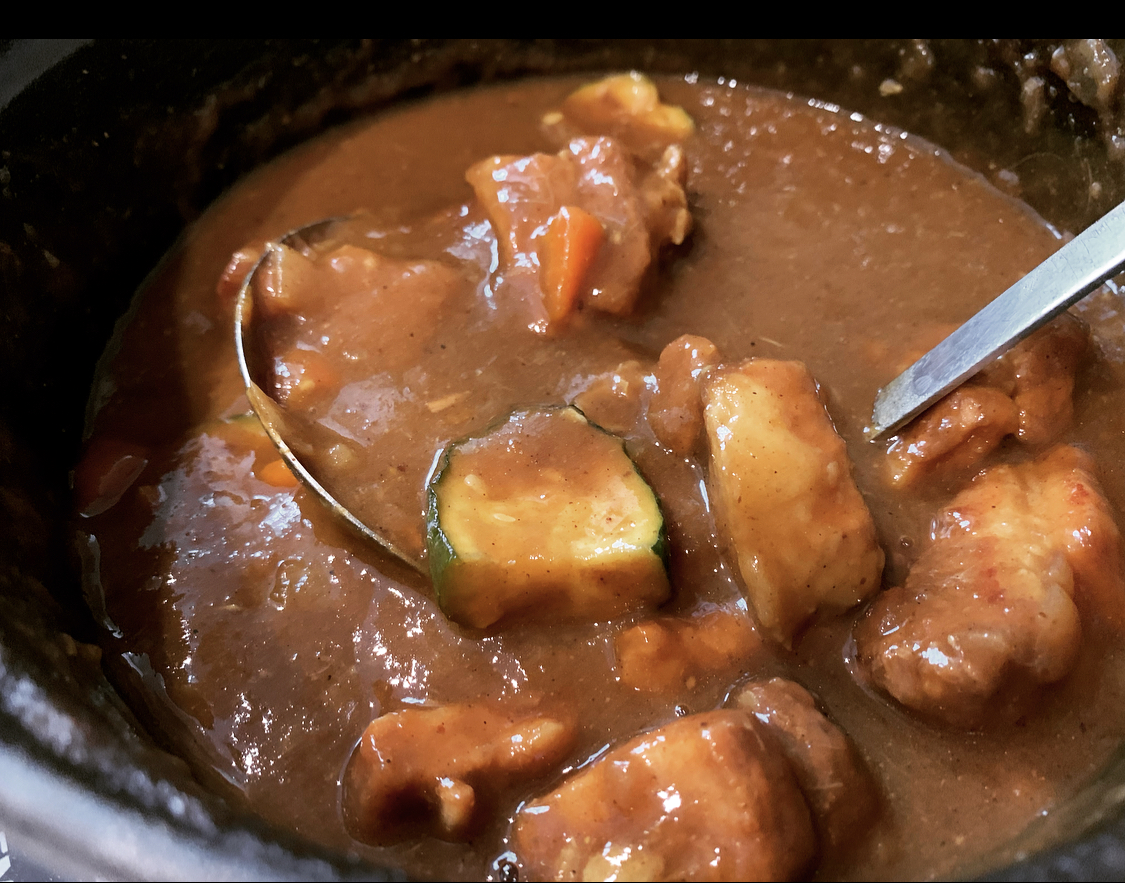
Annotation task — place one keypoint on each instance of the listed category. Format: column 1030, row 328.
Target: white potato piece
column 781, row 483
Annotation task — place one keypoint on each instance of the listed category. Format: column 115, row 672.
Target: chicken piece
column 1028, row 392
column 668, row 654
column 676, row 411
column 836, row 784
column 990, row 610
column 801, row 534
column 640, row 210
column 626, row 107
column 348, row 306
column 705, row 797
column 952, row 436
column 615, row 400
column 1043, row 370
column 433, row 768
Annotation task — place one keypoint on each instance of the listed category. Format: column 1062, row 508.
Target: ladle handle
column 1066, row 277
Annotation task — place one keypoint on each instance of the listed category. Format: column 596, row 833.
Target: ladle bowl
column 281, row 425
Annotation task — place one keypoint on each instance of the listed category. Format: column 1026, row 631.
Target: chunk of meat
column 705, row 797
column 953, row 436
column 345, row 307
column 668, row 654
column 676, row 411
column 626, row 107
column 615, row 400
column 1028, row 392
column 434, row 768
column 836, row 784
column 303, row 375
column 1043, row 369
column 801, row 534
column 639, row 210
column 989, row 611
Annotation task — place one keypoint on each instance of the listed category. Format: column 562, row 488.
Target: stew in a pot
column 603, row 358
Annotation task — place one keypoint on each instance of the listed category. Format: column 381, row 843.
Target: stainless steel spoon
column 1066, row 277
column 278, row 424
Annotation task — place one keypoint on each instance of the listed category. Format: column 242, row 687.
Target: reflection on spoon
column 1066, row 277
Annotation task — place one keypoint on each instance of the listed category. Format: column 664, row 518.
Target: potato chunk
column 628, row 106
column 781, row 483
column 836, row 784
column 989, row 611
column 432, row 768
column 705, row 797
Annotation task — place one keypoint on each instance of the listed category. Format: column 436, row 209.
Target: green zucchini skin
column 544, row 517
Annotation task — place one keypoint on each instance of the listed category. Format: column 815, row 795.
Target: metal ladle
column 1071, row 273
column 277, row 423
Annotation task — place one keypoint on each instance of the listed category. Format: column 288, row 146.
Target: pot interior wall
column 118, row 145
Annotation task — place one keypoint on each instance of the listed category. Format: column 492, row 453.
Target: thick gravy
column 262, row 639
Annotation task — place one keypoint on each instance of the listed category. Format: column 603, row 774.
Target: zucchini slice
column 544, row 517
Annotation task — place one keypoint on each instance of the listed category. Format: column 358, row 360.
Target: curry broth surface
column 262, row 639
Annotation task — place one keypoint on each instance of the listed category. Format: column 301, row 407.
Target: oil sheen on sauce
column 261, row 639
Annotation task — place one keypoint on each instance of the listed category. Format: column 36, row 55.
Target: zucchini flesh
column 545, row 517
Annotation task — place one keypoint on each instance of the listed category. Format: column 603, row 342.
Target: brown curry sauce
column 262, row 639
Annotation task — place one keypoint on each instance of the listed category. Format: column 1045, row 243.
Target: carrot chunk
column 278, row 474
column 574, row 237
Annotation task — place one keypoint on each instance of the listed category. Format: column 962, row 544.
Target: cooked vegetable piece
column 303, row 375
column 278, row 474
column 991, row 609
column 284, row 282
column 436, row 769
column 245, row 432
column 706, row 797
column 544, row 517
column 627, row 106
column 569, row 250
column 800, row 532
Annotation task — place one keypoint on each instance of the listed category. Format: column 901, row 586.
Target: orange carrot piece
column 573, row 239
column 277, row 473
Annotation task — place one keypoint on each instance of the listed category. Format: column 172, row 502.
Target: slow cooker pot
column 108, row 148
